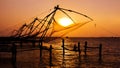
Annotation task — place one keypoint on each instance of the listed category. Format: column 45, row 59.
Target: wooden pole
column 41, row 44
column 79, row 49
column 63, row 47
column 14, row 52
column 85, row 50
column 21, row 44
column 50, row 54
column 74, row 47
column 33, row 43
column 100, row 51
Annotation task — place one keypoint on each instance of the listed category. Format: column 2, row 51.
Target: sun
column 65, row 22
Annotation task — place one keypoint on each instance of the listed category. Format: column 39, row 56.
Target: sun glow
column 65, row 22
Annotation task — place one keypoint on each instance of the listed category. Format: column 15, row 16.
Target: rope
column 105, row 29
column 48, row 21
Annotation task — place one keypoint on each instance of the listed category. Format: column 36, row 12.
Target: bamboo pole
column 50, row 55
column 85, row 48
column 14, row 53
column 41, row 44
column 63, row 47
column 79, row 51
column 100, row 52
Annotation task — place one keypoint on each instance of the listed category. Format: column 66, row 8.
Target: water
column 31, row 58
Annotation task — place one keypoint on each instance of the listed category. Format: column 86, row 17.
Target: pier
column 76, row 51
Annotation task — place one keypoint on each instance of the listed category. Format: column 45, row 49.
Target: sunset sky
column 105, row 13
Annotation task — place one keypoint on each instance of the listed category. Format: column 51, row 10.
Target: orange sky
column 106, row 14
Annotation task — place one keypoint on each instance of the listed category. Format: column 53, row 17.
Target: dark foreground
column 30, row 58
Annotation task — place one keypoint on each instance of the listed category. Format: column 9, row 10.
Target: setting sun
column 65, row 22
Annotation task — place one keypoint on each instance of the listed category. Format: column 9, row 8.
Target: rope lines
column 49, row 26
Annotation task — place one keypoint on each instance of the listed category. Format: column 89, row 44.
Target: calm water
column 31, row 58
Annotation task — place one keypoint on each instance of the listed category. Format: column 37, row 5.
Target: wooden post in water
column 50, row 55
column 79, row 49
column 41, row 44
column 14, row 52
column 33, row 43
column 74, row 49
column 21, row 44
column 63, row 47
column 100, row 52
column 85, row 48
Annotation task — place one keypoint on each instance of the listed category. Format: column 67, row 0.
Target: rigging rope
column 48, row 26
column 105, row 29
